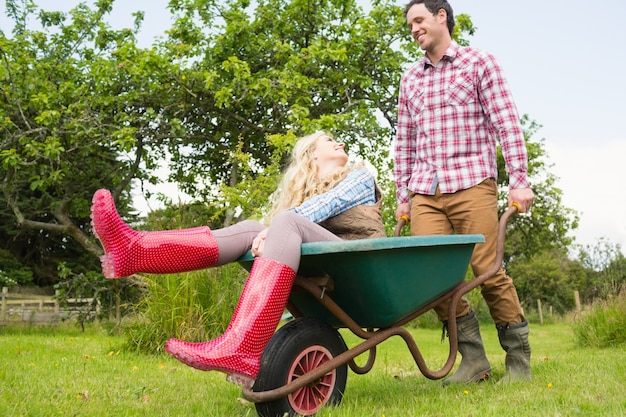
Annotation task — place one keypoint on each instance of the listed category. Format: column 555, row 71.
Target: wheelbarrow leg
column 474, row 364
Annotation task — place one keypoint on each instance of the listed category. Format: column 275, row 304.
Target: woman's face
column 329, row 151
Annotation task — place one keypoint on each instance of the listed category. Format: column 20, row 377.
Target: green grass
column 62, row 372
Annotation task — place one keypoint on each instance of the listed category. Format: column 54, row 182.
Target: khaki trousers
column 471, row 211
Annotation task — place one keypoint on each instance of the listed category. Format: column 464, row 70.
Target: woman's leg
column 234, row 241
column 287, row 233
column 238, row 351
column 128, row 251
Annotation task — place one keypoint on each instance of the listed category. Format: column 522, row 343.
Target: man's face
column 425, row 27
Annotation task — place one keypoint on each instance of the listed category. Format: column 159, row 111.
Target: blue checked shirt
column 357, row 188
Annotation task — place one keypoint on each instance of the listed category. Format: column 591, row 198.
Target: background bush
column 604, row 325
column 194, row 306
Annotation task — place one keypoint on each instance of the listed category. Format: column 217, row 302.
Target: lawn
column 63, row 372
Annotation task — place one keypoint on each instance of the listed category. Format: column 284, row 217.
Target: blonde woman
column 320, row 198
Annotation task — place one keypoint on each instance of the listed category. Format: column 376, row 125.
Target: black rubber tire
column 290, row 350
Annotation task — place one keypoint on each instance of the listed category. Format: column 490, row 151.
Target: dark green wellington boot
column 474, row 364
column 514, row 341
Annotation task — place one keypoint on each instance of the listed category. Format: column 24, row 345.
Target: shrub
column 194, row 306
column 112, row 297
column 6, row 281
column 12, row 272
column 604, row 325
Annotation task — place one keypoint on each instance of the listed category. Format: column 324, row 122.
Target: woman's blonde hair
column 300, row 181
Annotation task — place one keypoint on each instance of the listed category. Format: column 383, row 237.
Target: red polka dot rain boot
column 128, row 251
column 238, row 351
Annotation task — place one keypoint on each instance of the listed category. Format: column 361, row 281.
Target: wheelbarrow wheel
column 296, row 348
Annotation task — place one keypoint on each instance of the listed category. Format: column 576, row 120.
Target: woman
column 321, row 199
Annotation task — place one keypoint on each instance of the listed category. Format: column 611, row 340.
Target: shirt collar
column 451, row 52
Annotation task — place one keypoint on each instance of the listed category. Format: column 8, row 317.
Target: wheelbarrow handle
column 402, row 221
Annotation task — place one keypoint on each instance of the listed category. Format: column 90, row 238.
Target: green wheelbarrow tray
column 378, row 282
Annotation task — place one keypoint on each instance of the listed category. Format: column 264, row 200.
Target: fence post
column 56, row 302
column 577, row 298
column 3, row 309
column 540, row 312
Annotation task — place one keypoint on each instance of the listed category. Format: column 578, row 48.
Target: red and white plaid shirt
column 449, row 117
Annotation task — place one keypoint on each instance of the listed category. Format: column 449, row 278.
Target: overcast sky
column 566, row 65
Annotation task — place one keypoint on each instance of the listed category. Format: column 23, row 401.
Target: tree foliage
column 549, row 223
column 606, row 264
column 549, row 276
column 62, row 135
column 255, row 78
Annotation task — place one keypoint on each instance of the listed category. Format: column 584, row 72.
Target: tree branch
column 133, row 169
column 68, row 227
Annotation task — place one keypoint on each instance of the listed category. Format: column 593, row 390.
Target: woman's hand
column 258, row 243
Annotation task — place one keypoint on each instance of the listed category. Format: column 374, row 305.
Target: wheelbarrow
column 372, row 287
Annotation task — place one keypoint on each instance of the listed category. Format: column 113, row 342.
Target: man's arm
column 498, row 104
column 497, row 100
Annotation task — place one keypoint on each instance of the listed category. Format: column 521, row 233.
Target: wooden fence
column 43, row 309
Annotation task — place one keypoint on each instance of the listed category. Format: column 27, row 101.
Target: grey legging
column 286, row 233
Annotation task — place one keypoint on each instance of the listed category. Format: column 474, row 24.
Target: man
column 453, row 105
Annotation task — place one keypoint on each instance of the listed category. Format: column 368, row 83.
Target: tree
column 549, row 276
column 607, row 270
column 255, row 78
column 74, row 111
column 548, row 224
